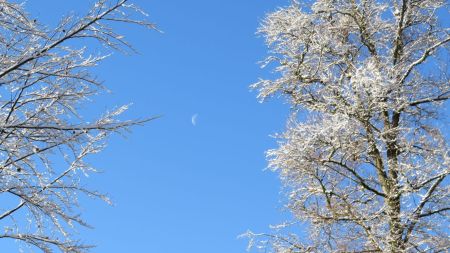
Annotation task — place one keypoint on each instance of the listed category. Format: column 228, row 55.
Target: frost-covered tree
column 367, row 170
column 44, row 140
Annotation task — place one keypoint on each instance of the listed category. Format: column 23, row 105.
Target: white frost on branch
column 44, row 140
column 368, row 170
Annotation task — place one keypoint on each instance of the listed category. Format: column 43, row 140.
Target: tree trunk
column 395, row 227
column 394, row 199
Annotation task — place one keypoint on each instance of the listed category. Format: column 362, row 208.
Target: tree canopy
column 45, row 79
column 368, row 170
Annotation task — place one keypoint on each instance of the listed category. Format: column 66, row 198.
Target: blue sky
column 179, row 187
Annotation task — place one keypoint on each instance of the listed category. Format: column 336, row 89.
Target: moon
column 194, row 119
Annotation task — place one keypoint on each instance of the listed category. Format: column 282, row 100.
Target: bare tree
column 44, row 79
column 368, row 169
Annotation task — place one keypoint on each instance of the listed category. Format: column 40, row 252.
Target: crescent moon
column 194, row 119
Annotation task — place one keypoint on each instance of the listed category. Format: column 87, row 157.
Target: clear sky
column 179, row 187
